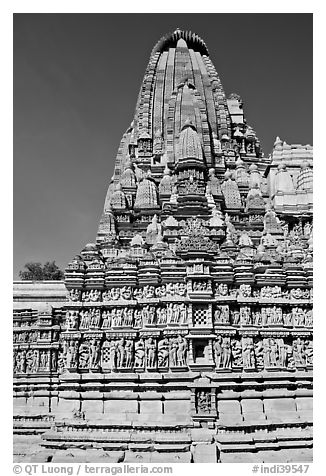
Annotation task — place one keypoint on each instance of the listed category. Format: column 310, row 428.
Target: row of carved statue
column 180, row 289
column 224, row 352
column 181, row 314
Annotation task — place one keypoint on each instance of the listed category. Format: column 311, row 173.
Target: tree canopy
column 38, row 272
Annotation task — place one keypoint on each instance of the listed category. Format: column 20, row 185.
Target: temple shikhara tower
column 185, row 331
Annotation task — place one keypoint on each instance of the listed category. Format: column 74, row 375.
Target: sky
column 76, row 82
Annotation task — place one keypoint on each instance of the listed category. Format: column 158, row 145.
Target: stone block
column 111, row 457
column 169, row 457
column 304, row 403
column 116, row 407
column 229, row 407
column 294, row 455
column 201, row 435
column 37, row 406
column 179, row 407
column 239, row 457
column 306, row 415
column 229, row 419
column 92, row 406
column 19, row 405
column 136, row 457
column 252, row 405
column 254, row 417
column 276, row 405
column 69, row 394
column 205, row 453
column 151, row 406
column 67, row 407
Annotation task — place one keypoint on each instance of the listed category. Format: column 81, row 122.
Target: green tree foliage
column 38, row 272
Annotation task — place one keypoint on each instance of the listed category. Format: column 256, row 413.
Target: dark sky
column 76, row 81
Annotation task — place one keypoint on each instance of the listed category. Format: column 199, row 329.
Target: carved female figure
column 138, row 318
column 273, row 353
column 169, row 313
column 151, row 348
column 115, row 294
column 163, row 352
column 120, row 352
column 182, row 351
column 129, row 353
column 266, row 353
column 183, row 314
column 226, row 353
column 298, row 352
column 218, row 351
column 282, row 352
column 113, row 354
column 246, row 354
column 176, row 313
column 139, row 353
column 94, row 350
column 235, row 317
column 173, row 352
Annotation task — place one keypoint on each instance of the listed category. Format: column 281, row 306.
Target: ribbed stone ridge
column 171, row 40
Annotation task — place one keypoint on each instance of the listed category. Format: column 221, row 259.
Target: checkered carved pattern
column 105, row 355
column 200, row 316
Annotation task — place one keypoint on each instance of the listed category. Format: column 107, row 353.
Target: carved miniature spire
column 214, row 183
column 146, row 196
column 255, row 199
column 254, row 177
column 305, row 177
column 128, row 177
column 107, row 226
column 166, row 184
column 241, row 175
column 118, row 200
column 231, row 192
column 154, row 230
column 283, row 180
column 189, row 143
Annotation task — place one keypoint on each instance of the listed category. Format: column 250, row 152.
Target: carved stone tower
column 193, row 309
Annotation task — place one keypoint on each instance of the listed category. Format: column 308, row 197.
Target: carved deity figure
column 245, row 316
column 120, row 348
column 74, row 295
column 96, row 317
column 150, row 352
column 94, row 350
column 226, row 353
column 129, row 353
column 218, row 352
column 138, row 317
column 181, row 351
column 203, row 402
column 173, row 352
column 245, row 290
column 298, row 352
column 115, row 294
column 235, row 317
column 273, row 353
column 126, row 292
column 163, row 353
column 248, row 354
column 266, row 353
column 139, row 353
column 222, row 290
column 283, row 353
column 106, row 319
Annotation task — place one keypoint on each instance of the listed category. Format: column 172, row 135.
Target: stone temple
column 184, row 334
